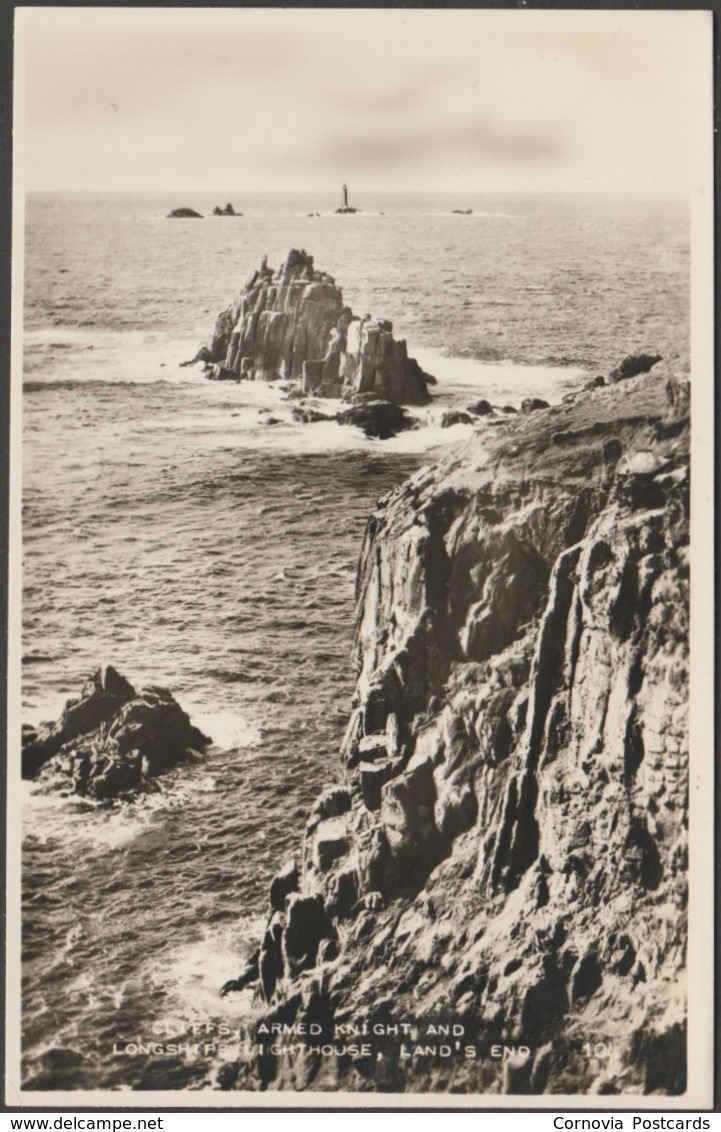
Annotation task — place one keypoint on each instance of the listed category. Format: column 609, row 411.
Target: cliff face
column 292, row 324
column 508, row 855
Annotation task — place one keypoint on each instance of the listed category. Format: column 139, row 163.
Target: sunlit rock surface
column 509, row 851
column 291, row 324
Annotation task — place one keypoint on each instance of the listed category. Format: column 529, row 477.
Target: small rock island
column 110, row 740
column 292, row 325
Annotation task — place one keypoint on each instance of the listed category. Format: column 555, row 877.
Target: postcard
column 361, row 646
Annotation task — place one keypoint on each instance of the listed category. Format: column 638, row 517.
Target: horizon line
column 647, row 191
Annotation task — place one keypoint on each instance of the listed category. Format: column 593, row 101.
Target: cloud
column 477, row 140
column 276, row 96
column 69, row 77
column 485, row 139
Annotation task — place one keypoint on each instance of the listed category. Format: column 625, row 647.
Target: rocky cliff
column 495, row 898
column 292, row 324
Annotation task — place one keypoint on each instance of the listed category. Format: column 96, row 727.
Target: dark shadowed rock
column 455, row 417
column 100, row 698
column 249, row 975
column 306, row 924
column 203, row 355
column 373, row 777
column 270, row 959
column 595, row 383
column 184, row 214
column 112, row 739
column 283, row 883
column 227, row 211
column 310, row 416
column 343, row 890
column 331, row 842
column 632, row 366
column 612, row 450
column 678, row 395
column 481, row 408
column 532, row 405
column 222, row 373
column 379, row 419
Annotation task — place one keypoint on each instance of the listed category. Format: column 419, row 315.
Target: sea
column 194, row 536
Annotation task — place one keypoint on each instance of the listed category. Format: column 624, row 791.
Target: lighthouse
column 345, row 208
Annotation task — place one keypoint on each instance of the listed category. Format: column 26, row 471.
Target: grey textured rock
column 292, row 324
column 520, row 863
column 632, row 366
column 283, row 884
column 111, row 740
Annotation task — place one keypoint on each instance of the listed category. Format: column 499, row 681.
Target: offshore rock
column 455, row 417
column 111, row 740
column 100, row 699
column 184, row 214
column 481, row 408
column 292, row 324
column 227, row 211
column 532, row 405
column 380, row 419
column 510, row 848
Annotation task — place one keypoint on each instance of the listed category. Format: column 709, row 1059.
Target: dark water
column 170, row 530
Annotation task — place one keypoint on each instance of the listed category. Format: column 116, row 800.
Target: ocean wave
column 193, row 974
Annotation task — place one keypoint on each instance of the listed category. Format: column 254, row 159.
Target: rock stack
column 292, row 324
column 110, row 740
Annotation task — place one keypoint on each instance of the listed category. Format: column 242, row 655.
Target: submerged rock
column 111, row 739
column 310, row 416
column 292, row 324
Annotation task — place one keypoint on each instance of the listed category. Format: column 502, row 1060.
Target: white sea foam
column 194, row 973
column 498, row 382
column 227, row 729
column 254, row 414
column 84, row 354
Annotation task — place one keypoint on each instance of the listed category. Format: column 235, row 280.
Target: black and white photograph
column 360, row 744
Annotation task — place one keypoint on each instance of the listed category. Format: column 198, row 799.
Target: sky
column 467, row 101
